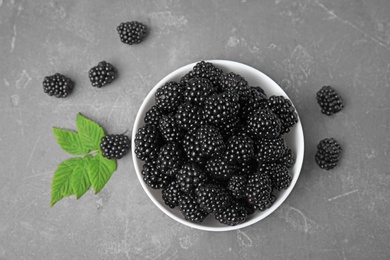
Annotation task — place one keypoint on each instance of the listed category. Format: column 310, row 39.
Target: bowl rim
column 139, row 123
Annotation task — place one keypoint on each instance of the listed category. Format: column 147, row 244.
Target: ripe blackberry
column 284, row 110
column 233, row 81
column 252, row 99
column 263, row 123
column 153, row 178
column 153, row 116
column 269, row 150
column 329, row 101
column 188, row 116
column 221, row 108
column 213, row 198
column 171, row 194
column 258, row 190
column 279, row 175
column 169, row 159
column 102, row 74
column 258, row 89
column 230, row 127
column 114, row 146
column 192, row 148
column 219, row 169
column 234, row 214
column 191, row 209
column 204, row 70
column 239, row 148
column 247, row 168
column 190, row 177
column 169, row 130
column 197, row 90
column 267, row 204
column 210, row 140
column 169, row 96
column 132, row 32
column 57, row 85
column 237, row 186
column 147, row 142
column 288, row 158
column 328, row 153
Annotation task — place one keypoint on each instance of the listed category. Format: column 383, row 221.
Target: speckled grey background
column 301, row 44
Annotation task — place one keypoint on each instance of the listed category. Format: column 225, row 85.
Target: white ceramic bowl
column 294, row 140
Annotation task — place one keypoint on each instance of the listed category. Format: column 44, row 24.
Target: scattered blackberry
column 147, row 142
column 213, row 198
column 204, row 70
column 191, row 209
column 102, row 74
column 234, row 214
column 132, row 32
column 190, row 177
column 270, row 150
column 169, row 130
column 153, row 178
column 258, row 190
column 114, row 146
column 329, row 101
column 197, row 90
column 171, row 194
column 169, row 159
column 252, row 99
column 153, row 116
column 263, row 123
column 169, row 96
column 57, row 85
column 189, row 116
column 279, row 175
column 284, row 110
column 221, row 108
column 237, row 186
column 288, row 158
column 210, row 140
column 192, row 148
column 219, row 169
column 239, row 148
column 233, row 81
column 328, row 153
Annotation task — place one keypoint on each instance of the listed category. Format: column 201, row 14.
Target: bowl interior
column 294, row 140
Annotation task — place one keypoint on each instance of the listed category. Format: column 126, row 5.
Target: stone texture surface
column 301, row 44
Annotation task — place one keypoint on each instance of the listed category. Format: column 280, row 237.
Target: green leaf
column 61, row 182
column 80, row 179
column 69, row 141
column 90, row 132
column 100, row 170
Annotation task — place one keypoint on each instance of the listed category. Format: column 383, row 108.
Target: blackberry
column 267, row 204
column 232, row 81
column 188, row 116
column 57, row 85
column 230, row 128
column 247, row 168
column 153, row 116
column 258, row 190
column 263, row 123
column 237, row 186
column 279, row 175
column 169, row 130
column 171, row 194
column 169, row 159
column 328, row 153
column 259, row 89
column 102, row 74
column 169, row 96
column 219, row 169
column 221, row 108
column 234, row 214
column 197, row 90
column 250, row 100
column 132, row 32
column 239, row 148
column 192, row 148
column 114, row 146
column 329, row 101
column 190, row 177
column 284, row 110
column 153, row 178
column 204, row 70
column 147, row 142
column 288, row 158
column 270, row 150
column 213, row 198
column 210, row 140
column 191, row 209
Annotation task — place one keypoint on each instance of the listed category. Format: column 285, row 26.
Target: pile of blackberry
column 214, row 145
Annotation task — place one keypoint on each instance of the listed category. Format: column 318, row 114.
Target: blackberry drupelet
column 147, row 142
column 169, row 130
column 114, row 146
column 269, row 150
column 153, row 178
column 153, row 116
column 213, row 198
column 102, row 74
column 197, row 90
column 258, row 190
column 190, row 177
column 204, row 70
column 132, row 32
column 221, row 108
column 284, row 110
column 57, row 85
column 232, row 81
column 189, row 116
column 288, row 158
column 219, row 169
column 263, row 123
column 329, row 101
column 210, row 140
column 234, row 214
column 279, row 174
column 172, row 194
column 170, row 159
column 169, row 96
column 191, row 209
column 239, row 148
column 237, row 186
column 192, row 148
column 328, row 153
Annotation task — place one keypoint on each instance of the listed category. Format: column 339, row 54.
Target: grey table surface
column 303, row 44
